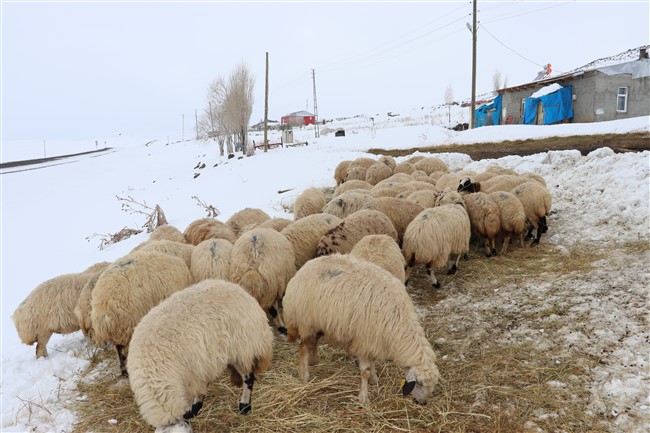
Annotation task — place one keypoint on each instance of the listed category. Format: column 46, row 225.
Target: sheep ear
column 407, row 388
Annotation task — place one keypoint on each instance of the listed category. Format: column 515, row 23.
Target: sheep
column 187, row 341
column 176, row 249
column 496, row 168
column 211, row 259
column 349, row 186
column 485, row 218
column 340, row 171
column 127, row 290
column 363, row 309
column 362, row 161
column 513, row 217
column 278, row 224
column 49, row 309
column 82, row 308
column 424, row 198
column 399, row 211
column 346, row 204
column 404, row 167
column 383, row 251
column 421, row 176
column 352, row 229
column 396, row 178
column 378, row 172
column 502, row 182
column 437, row 233
column 305, row 233
column 388, row 160
column 244, row 217
column 262, row 261
column 414, row 159
column 431, row 164
column 208, row 228
column 356, row 173
column 436, row 175
column 167, row 232
column 534, row 176
column 448, row 180
column 308, row 202
column 537, row 205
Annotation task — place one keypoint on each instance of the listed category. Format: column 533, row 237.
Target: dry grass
column 494, row 378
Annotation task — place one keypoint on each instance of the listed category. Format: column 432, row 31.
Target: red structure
column 299, row 118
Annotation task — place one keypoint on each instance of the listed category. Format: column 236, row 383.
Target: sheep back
column 211, row 260
column 346, row 204
column 378, row 172
column 349, row 186
column 173, row 248
column 305, row 233
column 309, row 202
column 167, row 232
column 340, row 171
column 399, row 211
column 352, row 229
column 484, row 214
column 245, row 217
column 262, row 262
column 383, row 251
column 208, row 228
column 431, row 164
column 188, row 340
column 129, row 288
column 536, row 201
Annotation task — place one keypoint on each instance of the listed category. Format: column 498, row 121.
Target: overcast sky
column 93, row 70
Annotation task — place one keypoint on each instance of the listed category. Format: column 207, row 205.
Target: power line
column 495, row 38
column 507, row 17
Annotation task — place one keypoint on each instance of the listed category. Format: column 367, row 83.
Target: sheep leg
column 247, row 394
column 307, row 355
column 277, row 319
column 121, row 355
column 41, row 345
column 409, row 268
column 493, row 252
column 197, row 404
column 365, row 367
column 454, row 265
column 432, row 275
column 372, row 380
column 538, row 237
column 506, row 241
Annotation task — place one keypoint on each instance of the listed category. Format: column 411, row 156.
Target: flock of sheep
column 183, row 307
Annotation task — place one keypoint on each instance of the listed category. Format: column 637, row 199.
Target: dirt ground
column 583, row 143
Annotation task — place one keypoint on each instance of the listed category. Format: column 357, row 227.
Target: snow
column 55, row 213
column 547, row 90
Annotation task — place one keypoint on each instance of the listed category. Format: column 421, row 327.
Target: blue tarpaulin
column 481, row 113
column 557, row 106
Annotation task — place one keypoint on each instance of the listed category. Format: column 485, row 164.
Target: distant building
column 271, row 124
column 607, row 89
column 299, row 118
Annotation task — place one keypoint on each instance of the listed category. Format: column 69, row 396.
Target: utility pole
column 313, row 76
column 266, row 104
column 474, row 30
column 196, row 120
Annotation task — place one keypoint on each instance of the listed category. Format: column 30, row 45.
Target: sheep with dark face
column 363, row 309
column 187, row 341
column 536, row 200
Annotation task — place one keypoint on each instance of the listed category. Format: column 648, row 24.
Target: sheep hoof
column 535, row 242
column 452, row 270
column 436, row 285
column 244, row 408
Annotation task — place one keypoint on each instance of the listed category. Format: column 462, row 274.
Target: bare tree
column 496, row 80
column 505, row 82
column 239, row 104
column 449, row 99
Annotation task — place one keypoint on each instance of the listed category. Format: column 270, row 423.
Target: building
column 299, row 118
column 603, row 90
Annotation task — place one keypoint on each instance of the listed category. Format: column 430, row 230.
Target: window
column 621, row 100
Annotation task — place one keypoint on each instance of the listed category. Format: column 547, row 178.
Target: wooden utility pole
column 474, row 30
column 266, row 104
column 313, row 76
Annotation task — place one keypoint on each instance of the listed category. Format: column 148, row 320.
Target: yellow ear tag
column 402, row 383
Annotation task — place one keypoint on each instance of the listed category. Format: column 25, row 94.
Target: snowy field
column 55, row 214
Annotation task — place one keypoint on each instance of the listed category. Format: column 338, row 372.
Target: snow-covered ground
column 54, row 215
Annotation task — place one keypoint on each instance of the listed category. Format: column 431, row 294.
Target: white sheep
column 536, row 200
column 424, row 198
column 388, row 160
column 173, row 248
column 378, row 172
column 187, row 341
column 363, row 309
column 305, row 233
column 167, row 232
column 485, row 218
column 502, row 182
column 431, row 164
column 208, row 228
column 309, row 202
column 245, row 217
column 349, row 186
column 211, row 260
column 346, row 204
column 82, row 308
column 355, row 173
column 49, row 309
column 383, row 251
column 278, row 224
column 127, row 290
column 352, row 229
column 404, row 167
column 341, row 170
column 513, row 217
column 262, row 261
column 437, row 233
column 399, row 211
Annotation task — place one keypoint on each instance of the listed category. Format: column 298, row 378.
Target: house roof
column 302, row 113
